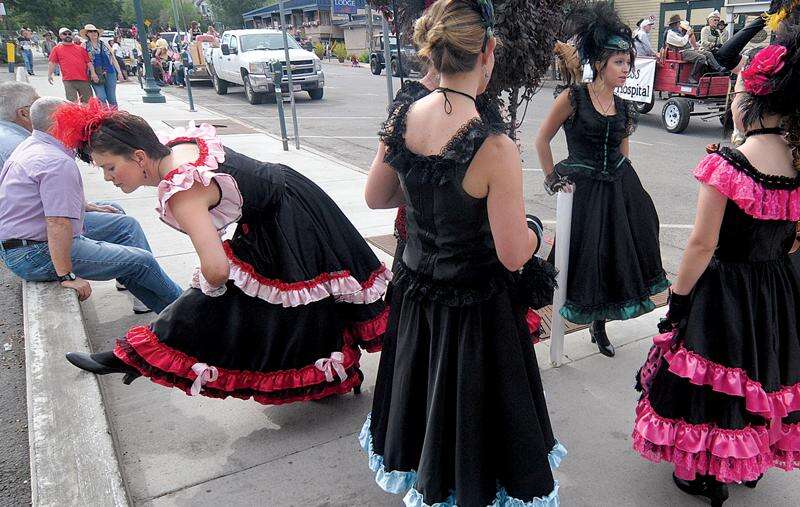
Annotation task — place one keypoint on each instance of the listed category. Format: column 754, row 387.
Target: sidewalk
column 180, row 450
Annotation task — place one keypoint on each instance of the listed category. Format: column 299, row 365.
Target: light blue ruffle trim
column 399, row 482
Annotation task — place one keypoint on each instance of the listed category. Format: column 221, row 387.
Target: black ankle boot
column 599, row 336
column 753, row 484
column 103, row 363
column 704, row 486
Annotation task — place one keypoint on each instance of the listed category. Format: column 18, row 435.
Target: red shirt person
column 76, row 67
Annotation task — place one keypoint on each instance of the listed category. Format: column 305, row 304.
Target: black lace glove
column 678, row 311
column 554, row 182
column 536, row 226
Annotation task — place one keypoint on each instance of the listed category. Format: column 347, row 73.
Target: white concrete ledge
column 72, row 452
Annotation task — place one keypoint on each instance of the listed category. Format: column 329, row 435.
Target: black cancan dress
column 721, row 394
column 410, row 92
column 305, row 290
column 459, row 415
column 615, row 257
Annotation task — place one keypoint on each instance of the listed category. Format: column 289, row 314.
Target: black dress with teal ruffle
column 615, row 257
column 459, row 415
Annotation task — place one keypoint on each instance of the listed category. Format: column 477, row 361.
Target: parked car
column 173, row 39
column 244, row 58
column 410, row 61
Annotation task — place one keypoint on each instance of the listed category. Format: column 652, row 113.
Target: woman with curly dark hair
column 279, row 312
column 614, row 256
column 721, row 386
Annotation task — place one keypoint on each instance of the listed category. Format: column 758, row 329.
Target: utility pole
column 399, row 43
column 370, row 29
column 184, row 50
column 387, row 59
column 289, row 74
column 152, row 93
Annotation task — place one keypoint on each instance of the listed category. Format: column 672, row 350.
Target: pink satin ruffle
column 755, row 200
column 229, row 209
column 728, row 455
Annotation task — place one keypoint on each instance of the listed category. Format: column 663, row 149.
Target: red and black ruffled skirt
column 305, row 296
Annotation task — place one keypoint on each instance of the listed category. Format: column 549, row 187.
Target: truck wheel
column 316, row 94
column 375, row 66
column 676, row 115
column 220, row 86
column 253, row 97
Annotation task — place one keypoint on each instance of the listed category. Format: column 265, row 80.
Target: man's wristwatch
column 69, row 277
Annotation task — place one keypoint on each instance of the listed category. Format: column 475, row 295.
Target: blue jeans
column 27, row 56
column 113, row 246
column 107, row 92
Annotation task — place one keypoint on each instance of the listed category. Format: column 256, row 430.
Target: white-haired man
column 46, row 233
column 15, row 115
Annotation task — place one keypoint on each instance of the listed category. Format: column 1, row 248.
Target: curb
column 73, row 461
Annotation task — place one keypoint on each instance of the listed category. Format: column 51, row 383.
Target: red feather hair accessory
column 74, row 124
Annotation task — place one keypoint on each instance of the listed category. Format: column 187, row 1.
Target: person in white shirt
column 641, row 39
column 711, row 36
column 682, row 39
column 119, row 54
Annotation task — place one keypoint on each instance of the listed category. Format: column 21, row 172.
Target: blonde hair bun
column 450, row 35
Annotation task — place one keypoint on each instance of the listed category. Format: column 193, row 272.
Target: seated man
column 15, row 116
column 712, row 36
column 46, row 234
column 641, row 38
column 680, row 37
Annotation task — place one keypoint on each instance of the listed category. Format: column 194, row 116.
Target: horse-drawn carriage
column 705, row 97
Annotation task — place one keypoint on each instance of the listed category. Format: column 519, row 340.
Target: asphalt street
column 345, row 122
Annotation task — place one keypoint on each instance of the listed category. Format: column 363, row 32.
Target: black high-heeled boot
column 753, row 484
column 103, row 363
column 357, row 389
column 599, row 336
column 704, row 486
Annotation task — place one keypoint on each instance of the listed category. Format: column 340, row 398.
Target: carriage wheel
column 676, row 115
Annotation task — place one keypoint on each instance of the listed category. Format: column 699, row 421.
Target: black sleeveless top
column 594, row 140
column 261, row 184
column 744, row 238
column 450, row 252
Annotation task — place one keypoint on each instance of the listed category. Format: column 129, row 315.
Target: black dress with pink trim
column 721, row 394
column 304, row 295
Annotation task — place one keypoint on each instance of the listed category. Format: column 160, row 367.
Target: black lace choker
column 766, row 131
column 448, row 106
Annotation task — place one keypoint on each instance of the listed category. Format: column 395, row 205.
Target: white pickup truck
column 244, row 57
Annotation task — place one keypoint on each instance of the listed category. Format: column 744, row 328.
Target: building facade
column 318, row 20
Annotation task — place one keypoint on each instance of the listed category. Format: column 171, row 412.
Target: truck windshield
column 268, row 41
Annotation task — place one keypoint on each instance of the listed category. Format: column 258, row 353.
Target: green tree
column 70, row 13
column 160, row 12
column 229, row 12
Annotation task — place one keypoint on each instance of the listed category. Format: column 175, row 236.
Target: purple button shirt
column 40, row 179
